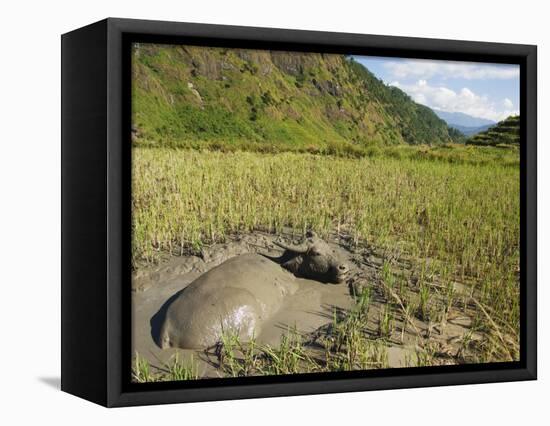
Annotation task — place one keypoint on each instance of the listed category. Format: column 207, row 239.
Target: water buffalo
column 238, row 295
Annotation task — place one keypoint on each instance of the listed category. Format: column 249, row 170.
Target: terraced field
column 502, row 134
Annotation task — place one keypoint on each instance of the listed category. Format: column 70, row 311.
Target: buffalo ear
column 310, row 234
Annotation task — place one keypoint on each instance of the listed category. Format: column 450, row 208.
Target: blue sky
column 484, row 90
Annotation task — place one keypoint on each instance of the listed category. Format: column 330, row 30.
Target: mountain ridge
column 463, row 119
column 470, row 131
column 186, row 96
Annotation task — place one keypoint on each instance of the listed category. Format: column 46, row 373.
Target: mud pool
column 308, row 310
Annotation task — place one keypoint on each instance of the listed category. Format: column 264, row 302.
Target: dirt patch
column 443, row 334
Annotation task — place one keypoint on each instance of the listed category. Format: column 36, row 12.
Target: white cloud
column 507, row 103
column 465, row 100
column 426, row 69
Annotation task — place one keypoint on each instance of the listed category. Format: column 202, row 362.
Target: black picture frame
column 96, row 211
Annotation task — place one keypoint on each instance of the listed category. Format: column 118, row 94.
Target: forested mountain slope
column 191, row 96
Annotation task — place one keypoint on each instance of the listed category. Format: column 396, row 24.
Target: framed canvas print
column 253, row 212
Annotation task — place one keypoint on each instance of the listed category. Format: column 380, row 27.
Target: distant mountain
column 505, row 132
column 188, row 96
column 464, row 120
column 470, row 131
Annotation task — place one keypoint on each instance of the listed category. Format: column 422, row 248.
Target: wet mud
column 310, row 310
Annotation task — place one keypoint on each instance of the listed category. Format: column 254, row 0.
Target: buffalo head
column 315, row 259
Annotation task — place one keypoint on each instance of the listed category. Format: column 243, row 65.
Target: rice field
column 457, row 220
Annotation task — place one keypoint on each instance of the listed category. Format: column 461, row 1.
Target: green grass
column 241, row 359
column 342, row 346
column 180, row 370
column 174, row 370
column 452, row 210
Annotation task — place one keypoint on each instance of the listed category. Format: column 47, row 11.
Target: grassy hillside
column 505, row 133
column 185, row 96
